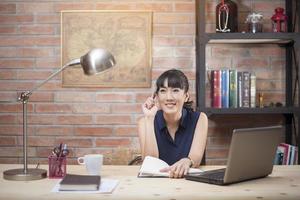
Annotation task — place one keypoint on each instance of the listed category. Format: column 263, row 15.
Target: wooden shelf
column 271, row 110
column 250, row 38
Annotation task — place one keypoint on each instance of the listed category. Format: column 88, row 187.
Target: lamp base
column 20, row 175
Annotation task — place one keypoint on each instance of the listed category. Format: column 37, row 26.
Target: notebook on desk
column 251, row 155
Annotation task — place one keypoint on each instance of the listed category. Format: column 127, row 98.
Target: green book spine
column 233, row 89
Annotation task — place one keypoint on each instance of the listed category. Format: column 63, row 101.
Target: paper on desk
column 106, row 186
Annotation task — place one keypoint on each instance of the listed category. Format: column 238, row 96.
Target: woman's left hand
column 178, row 169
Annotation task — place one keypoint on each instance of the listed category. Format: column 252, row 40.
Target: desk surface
column 283, row 183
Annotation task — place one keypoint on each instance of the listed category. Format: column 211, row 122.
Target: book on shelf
column 232, row 88
column 252, row 91
column 74, row 182
column 245, row 89
column 216, row 89
column 225, row 88
column 151, row 167
column 240, row 89
column 286, row 154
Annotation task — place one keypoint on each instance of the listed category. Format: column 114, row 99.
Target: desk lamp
column 95, row 61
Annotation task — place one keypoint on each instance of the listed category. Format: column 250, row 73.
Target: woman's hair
column 176, row 79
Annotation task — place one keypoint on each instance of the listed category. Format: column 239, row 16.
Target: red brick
column 40, row 119
column 53, row 108
column 8, row 96
column 115, row 6
column 34, row 75
column 12, row 129
column 72, row 6
column 20, row 63
column 75, row 142
column 29, row 29
column 185, row 7
column 113, row 119
column 48, row 19
column 172, row 41
column 75, row 97
column 16, row 19
column 91, row 108
column 169, row 63
column 113, row 97
column 14, row 107
column 126, row 108
column 74, row 120
column 41, row 141
column 54, row 130
column 184, row 52
column 8, row 74
column 93, row 131
column 48, row 63
column 32, row 52
column 162, row 29
column 114, row 142
column 42, row 97
column 7, row 8
column 155, row 7
column 7, row 52
column 7, row 141
column 35, row 7
column 8, row 119
column 163, row 52
column 8, row 30
column 126, row 131
column 171, row 18
column 16, row 151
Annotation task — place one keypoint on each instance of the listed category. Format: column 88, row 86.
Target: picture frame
column 126, row 34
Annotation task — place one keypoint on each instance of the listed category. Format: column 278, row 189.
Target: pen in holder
column 57, row 166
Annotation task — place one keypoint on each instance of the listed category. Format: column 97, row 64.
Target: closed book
column 216, row 88
column 246, row 90
column 239, row 86
column 233, row 89
column 225, row 88
column 74, row 182
column 252, row 91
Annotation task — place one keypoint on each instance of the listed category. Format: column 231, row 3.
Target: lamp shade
column 96, row 61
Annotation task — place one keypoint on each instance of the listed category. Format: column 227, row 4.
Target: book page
column 152, row 165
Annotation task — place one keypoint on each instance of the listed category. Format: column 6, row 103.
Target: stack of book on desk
column 286, row 154
column 74, row 182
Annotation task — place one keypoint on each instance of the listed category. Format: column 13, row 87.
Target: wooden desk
column 284, row 183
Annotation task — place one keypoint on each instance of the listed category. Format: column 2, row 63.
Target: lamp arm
column 25, row 95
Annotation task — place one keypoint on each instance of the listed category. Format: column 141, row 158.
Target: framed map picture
column 126, row 34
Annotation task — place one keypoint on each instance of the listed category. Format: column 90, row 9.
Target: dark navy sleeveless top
column 171, row 150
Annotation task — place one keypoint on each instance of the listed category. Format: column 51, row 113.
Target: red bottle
column 279, row 21
column 226, row 17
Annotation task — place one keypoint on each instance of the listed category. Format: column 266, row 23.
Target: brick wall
column 101, row 120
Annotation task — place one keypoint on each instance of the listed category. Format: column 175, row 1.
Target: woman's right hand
column 149, row 107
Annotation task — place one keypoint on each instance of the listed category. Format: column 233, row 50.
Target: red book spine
column 216, row 89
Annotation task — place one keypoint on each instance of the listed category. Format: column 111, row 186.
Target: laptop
column 251, row 155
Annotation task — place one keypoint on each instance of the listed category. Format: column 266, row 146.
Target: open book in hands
column 151, row 168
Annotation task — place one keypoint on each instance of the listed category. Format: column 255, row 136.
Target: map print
column 127, row 35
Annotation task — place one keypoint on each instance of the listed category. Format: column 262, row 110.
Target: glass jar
column 254, row 23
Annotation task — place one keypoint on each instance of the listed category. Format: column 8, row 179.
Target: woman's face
column 171, row 99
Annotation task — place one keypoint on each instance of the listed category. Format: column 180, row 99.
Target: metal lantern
column 279, row 20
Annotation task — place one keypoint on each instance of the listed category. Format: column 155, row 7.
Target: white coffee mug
column 92, row 162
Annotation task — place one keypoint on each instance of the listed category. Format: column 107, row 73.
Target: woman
column 170, row 129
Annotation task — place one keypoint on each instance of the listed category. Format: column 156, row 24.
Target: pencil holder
column 57, row 166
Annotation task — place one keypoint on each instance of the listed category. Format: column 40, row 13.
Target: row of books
column 286, row 154
column 233, row 89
